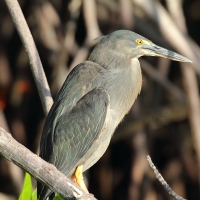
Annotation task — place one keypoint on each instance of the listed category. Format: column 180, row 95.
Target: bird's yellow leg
column 78, row 178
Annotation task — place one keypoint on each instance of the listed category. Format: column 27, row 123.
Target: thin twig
column 162, row 181
column 36, row 65
column 39, row 169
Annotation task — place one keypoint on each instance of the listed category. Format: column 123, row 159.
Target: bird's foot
column 78, row 178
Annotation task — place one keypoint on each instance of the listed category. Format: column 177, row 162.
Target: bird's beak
column 155, row 50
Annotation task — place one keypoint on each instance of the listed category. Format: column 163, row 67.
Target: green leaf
column 57, row 197
column 26, row 193
column 34, row 195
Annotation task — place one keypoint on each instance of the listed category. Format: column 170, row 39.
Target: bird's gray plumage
column 93, row 100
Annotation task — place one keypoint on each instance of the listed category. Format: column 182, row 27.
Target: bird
column 91, row 103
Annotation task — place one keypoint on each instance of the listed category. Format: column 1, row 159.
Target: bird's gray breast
column 122, row 87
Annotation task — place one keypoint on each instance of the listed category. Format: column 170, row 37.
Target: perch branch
column 39, row 169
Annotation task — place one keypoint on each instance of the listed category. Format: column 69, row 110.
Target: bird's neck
column 129, row 86
column 109, row 59
column 123, row 86
column 123, row 79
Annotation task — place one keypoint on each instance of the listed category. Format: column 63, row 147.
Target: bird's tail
column 43, row 192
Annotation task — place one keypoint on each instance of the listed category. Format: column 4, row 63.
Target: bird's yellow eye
column 139, row 41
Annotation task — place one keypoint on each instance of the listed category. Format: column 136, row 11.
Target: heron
column 93, row 100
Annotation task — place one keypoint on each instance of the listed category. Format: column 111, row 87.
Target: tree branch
column 162, row 181
column 39, row 169
column 36, row 65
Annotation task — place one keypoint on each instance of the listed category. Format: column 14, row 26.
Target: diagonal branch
column 36, row 65
column 162, row 181
column 39, row 169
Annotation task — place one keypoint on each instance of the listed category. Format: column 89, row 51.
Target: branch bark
column 39, row 169
column 36, row 65
column 162, row 181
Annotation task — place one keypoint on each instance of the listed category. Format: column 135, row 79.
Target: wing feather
column 74, row 121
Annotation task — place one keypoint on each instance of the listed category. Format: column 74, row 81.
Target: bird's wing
column 77, row 84
column 75, row 132
column 75, row 87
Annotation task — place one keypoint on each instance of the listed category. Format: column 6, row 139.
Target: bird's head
column 124, row 44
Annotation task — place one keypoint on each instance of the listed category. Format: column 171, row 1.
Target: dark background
column 159, row 123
